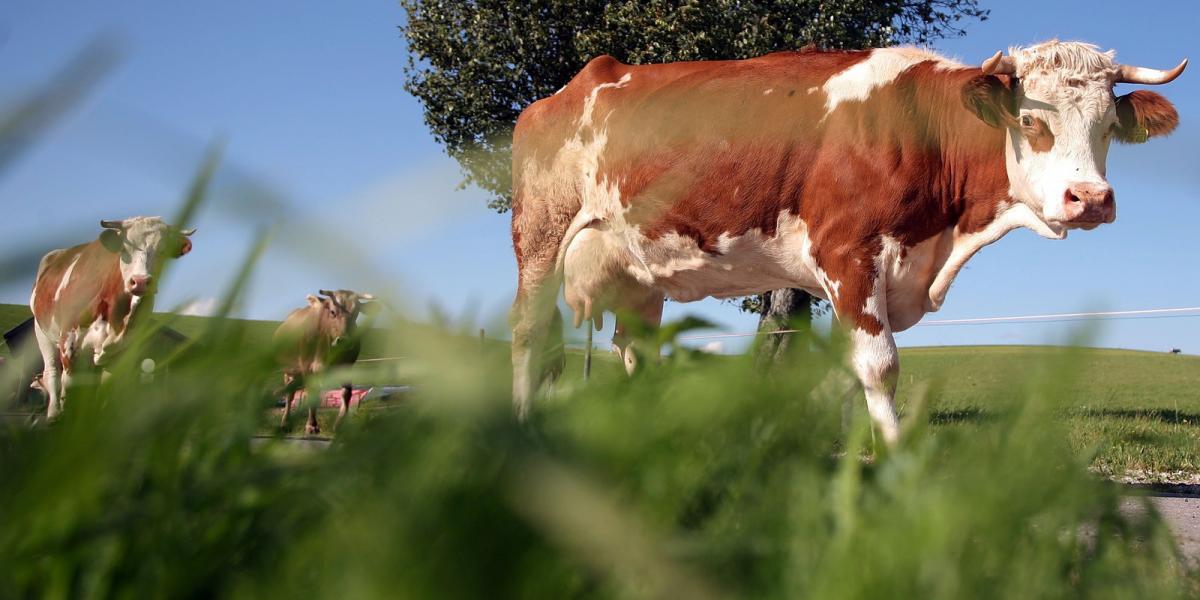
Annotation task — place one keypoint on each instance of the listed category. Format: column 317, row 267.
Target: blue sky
column 308, row 96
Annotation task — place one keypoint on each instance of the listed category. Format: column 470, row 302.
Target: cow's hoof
column 312, row 430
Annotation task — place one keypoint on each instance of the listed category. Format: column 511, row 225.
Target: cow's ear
column 1143, row 114
column 992, row 99
column 111, row 240
column 185, row 246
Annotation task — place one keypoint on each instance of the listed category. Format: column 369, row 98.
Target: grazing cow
column 867, row 178
column 319, row 335
column 86, row 298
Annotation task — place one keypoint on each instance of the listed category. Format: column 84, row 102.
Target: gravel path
column 1180, row 507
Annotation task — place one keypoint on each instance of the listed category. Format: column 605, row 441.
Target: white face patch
column 856, row 83
column 1067, row 89
column 143, row 237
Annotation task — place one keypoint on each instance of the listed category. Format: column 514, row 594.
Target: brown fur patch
column 1041, row 139
column 95, row 288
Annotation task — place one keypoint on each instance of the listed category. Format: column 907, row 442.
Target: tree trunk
column 782, row 309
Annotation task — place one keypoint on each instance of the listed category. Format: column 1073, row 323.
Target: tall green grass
column 699, row 478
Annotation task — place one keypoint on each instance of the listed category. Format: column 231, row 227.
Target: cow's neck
column 975, row 190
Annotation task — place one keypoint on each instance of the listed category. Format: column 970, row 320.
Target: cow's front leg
column 290, row 390
column 876, row 362
column 347, row 395
column 861, row 308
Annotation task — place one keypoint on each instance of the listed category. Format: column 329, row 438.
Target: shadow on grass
column 1162, row 415
column 961, row 416
column 1166, row 490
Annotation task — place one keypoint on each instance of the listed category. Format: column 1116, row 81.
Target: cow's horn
column 1128, row 74
column 366, row 297
column 325, row 293
column 999, row 64
column 187, row 232
column 111, row 224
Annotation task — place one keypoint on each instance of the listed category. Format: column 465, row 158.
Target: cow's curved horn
column 111, row 224
column 1130, row 74
column 999, row 64
column 187, row 232
column 366, row 297
column 325, row 293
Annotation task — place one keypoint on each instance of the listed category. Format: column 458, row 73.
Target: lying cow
column 866, row 178
column 317, row 336
column 86, row 298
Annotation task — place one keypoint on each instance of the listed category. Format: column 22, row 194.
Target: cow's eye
column 1026, row 121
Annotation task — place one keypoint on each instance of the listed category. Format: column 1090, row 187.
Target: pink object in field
column 333, row 398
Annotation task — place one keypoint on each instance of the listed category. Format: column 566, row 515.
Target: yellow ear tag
column 1139, row 135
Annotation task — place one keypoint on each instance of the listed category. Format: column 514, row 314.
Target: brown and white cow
column 317, row 336
column 85, row 298
column 867, row 178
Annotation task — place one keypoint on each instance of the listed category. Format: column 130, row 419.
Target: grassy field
column 1137, row 413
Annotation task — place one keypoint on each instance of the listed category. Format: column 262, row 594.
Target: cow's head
column 1056, row 102
column 343, row 308
column 141, row 243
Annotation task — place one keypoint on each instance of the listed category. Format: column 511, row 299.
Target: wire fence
column 1150, row 313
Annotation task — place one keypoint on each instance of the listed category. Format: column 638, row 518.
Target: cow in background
column 86, row 298
column 317, row 336
column 867, row 178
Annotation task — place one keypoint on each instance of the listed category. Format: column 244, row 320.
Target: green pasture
column 1136, row 413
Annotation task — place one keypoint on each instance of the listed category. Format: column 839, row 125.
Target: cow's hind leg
column 51, row 372
column 347, row 395
column 312, row 427
column 536, row 353
column 646, row 307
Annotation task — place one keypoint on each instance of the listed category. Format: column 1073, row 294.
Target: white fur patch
column 674, row 264
column 66, row 278
column 856, row 83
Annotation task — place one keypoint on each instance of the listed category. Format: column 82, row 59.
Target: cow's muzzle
column 139, row 285
column 1089, row 205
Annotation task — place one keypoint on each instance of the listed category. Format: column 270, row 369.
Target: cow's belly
column 603, row 263
column 743, row 265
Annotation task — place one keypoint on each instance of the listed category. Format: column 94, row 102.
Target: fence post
column 482, row 341
column 587, row 353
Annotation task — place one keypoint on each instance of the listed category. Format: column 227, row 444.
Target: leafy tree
column 474, row 64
